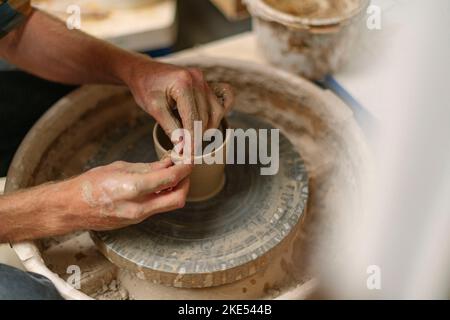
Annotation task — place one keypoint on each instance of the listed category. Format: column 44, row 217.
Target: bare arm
column 103, row 198
column 45, row 47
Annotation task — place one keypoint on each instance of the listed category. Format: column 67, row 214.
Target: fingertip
column 175, row 174
column 163, row 163
column 225, row 94
column 183, row 188
column 189, row 167
column 186, row 168
column 166, row 160
column 228, row 97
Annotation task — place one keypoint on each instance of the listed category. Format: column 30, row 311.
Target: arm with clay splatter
column 103, row 198
column 44, row 46
column 121, row 193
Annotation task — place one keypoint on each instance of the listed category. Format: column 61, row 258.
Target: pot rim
column 222, row 146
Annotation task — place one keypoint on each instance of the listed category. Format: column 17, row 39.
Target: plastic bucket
column 311, row 47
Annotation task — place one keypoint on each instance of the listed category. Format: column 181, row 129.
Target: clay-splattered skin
column 123, row 197
column 123, row 193
column 103, row 198
column 185, row 90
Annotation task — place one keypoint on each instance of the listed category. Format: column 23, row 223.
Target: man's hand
column 103, row 198
column 119, row 194
column 72, row 57
column 160, row 89
column 123, row 193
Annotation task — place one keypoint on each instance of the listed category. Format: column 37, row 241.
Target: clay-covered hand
column 122, row 193
column 161, row 88
column 103, row 198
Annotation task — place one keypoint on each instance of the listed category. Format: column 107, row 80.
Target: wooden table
column 145, row 28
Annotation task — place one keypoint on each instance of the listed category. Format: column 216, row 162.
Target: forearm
column 35, row 213
column 104, row 198
column 45, row 47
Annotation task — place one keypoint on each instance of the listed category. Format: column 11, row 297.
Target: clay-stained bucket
column 309, row 46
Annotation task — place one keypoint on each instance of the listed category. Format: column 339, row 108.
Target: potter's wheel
column 214, row 242
column 98, row 124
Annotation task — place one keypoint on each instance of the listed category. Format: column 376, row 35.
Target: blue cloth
column 12, row 14
column 16, row 284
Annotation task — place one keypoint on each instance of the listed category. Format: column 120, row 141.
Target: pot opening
column 164, row 142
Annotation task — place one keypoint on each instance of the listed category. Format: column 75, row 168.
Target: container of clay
column 310, row 37
column 93, row 121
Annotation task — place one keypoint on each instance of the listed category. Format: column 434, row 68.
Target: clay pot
column 206, row 180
